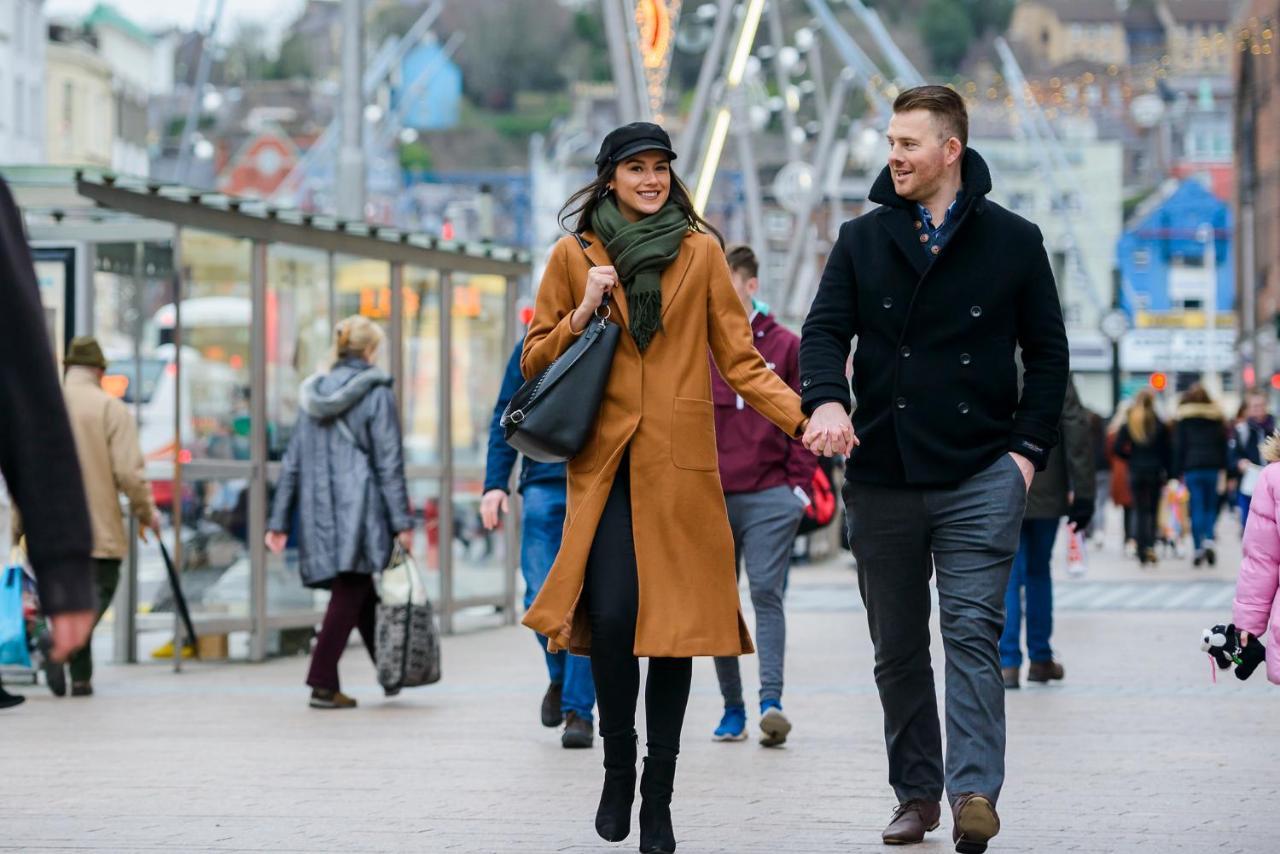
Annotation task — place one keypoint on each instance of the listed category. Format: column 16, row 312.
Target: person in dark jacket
column 1102, row 477
column 1244, row 448
column 1066, row 487
column 1200, row 460
column 571, row 696
column 1144, row 443
column 344, row 473
column 939, row 284
column 765, row 476
column 38, row 453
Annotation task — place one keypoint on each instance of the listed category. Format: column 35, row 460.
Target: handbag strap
column 583, row 243
column 400, row 557
column 347, row 433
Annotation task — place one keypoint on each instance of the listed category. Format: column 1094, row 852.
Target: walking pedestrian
column 765, row 475
column 1200, row 461
column 1064, row 488
column 646, row 567
column 571, row 696
column 1097, row 529
column 1121, row 494
column 111, row 461
column 1257, row 602
column 939, row 284
column 38, row 452
column 343, row 473
column 1245, row 447
column 1143, row 443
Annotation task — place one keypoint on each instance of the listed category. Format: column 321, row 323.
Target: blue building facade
column 1162, row 259
column 432, row 84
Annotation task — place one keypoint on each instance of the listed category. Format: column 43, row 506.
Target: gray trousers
column 968, row 536
column 764, row 527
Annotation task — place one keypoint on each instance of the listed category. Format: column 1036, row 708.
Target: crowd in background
column 1174, row 477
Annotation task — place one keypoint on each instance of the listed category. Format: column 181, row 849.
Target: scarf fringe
column 646, row 316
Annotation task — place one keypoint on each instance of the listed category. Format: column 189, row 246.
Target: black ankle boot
column 613, row 817
column 656, row 835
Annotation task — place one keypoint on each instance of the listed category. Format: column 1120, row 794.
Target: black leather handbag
column 550, row 418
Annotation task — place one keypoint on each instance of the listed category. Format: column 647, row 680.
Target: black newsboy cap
column 631, row 139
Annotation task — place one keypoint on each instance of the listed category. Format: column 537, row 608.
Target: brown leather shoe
column 1010, row 675
column 1043, row 671
column 975, row 823
column 911, row 821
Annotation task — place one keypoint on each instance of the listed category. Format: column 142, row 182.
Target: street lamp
column 1212, row 379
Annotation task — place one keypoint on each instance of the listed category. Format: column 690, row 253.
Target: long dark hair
column 582, row 205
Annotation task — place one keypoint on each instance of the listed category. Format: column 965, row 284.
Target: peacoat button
column 902, row 403
column 976, row 311
column 965, row 358
column 924, row 238
column 918, row 224
column 935, row 249
column 964, row 408
column 906, row 352
column 888, row 302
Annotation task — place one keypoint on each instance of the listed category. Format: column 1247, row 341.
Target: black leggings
column 612, row 602
column 1146, row 509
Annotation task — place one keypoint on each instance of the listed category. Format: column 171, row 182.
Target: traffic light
column 1275, row 381
column 1159, row 381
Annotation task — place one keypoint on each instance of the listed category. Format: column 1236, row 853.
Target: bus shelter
column 211, row 310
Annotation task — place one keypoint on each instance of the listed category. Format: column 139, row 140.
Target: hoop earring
column 604, row 191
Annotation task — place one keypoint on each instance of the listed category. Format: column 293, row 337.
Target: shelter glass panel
column 479, row 356
column 421, row 391
column 299, row 340
column 216, row 319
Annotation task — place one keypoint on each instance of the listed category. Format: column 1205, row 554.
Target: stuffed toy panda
column 1223, row 645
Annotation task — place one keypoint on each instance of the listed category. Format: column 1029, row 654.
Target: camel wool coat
column 659, row 404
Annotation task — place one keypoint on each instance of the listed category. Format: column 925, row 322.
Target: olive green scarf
column 640, row 251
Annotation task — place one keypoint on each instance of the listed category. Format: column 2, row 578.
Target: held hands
column 600, row 283
column 829, row 431
column 494, row 504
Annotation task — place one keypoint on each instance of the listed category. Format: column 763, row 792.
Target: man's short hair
column 946, row 106
column 742, row 259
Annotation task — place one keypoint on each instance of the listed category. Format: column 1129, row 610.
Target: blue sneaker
column 774, row 724
column 733, row 726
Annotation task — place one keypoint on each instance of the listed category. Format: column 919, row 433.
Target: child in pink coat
column 1257, row 603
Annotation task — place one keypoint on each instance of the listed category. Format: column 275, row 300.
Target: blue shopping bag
column 13, row 626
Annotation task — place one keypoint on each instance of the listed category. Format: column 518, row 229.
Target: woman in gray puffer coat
column 344, row 472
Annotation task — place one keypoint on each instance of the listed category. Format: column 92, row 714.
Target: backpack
column 822, row 500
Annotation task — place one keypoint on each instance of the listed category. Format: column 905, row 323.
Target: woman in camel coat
column 646, row 564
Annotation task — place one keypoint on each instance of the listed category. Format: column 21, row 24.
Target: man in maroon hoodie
column 766, row 477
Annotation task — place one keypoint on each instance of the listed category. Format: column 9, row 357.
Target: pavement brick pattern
column 1137, row 751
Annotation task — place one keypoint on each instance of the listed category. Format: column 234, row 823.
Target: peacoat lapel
column 598, row 257
column 905, row 231
column 673, row 277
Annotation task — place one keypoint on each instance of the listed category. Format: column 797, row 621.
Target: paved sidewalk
column 1136, row 752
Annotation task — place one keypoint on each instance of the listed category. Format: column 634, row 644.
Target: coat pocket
column 693, row 435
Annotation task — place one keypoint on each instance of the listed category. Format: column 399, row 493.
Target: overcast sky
column 159, row 14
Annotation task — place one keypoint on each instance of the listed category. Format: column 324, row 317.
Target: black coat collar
column 900, row 217
column 974, row 174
